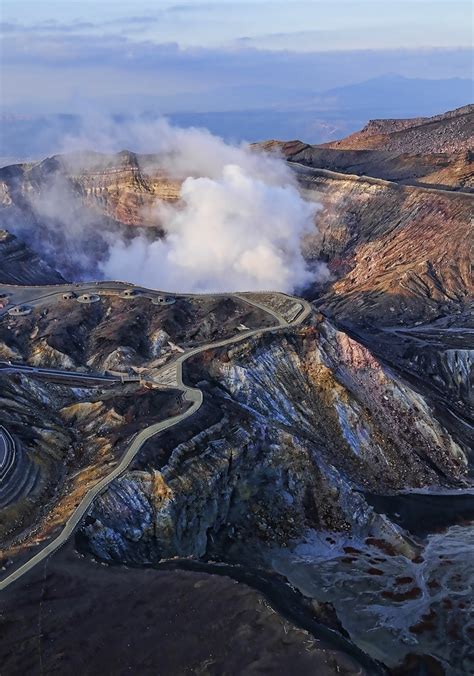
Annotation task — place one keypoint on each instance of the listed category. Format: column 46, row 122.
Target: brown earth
column 436, row 152
column 448, row 132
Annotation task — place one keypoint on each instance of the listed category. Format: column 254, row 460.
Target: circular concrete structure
column 163, row 300
column 88, row 298
column 130, row 293
column 69, row 295
column 19, row 311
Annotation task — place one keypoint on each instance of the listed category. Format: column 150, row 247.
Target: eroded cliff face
column 123, row 186
column 120, row 186
column 402, row 281
column 69, row 208
column 396, row 252
column 295, row 428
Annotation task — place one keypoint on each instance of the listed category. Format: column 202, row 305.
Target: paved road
column 10, row 367
column 190, row 394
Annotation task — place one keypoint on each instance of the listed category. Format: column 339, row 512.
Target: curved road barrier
column 190, row 394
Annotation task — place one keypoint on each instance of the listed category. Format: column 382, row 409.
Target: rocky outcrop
column 394, row 251
column 448, row 132
column 434, row 152
column 302, row 426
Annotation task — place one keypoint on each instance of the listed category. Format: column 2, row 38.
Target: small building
column 130, row 293
column 19, row 311
column 163, row 300
column 88, row 298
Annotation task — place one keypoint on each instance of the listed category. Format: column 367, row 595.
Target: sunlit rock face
column 435, row 151
column 296, row 427
column 393, row 250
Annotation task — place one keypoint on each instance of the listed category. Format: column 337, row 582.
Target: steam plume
column 238, row 226
column 239, row 223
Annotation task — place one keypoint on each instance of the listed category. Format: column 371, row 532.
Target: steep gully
column 191, row 395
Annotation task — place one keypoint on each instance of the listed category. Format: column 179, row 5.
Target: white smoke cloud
column 239, row 224
column 234, row 232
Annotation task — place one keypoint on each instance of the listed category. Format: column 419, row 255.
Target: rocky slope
column 436, row 152
column 294, row 431
column 21, row 265
column 65, row 440
column 394, row 250
column 402, row 280
column 278, row 470
column 448, row 132
column 297, row 433
column 69, row 428
column 452, row 171
column 81, row 202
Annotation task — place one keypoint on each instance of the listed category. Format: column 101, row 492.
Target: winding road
column 93, row 378
column 305, row 170
column 191, row 395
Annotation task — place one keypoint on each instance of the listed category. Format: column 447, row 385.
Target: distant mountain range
column 396, row 96
column 252, row 114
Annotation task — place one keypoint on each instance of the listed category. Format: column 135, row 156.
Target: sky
column 297, row 25
column 220, row 55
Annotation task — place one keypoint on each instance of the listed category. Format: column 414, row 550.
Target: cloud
column 64, row 73
column 44, row 28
